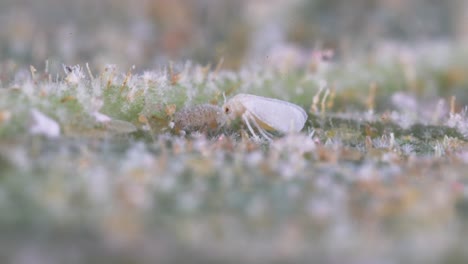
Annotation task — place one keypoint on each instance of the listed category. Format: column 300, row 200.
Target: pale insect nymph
column 203, row 117
column 265, row 114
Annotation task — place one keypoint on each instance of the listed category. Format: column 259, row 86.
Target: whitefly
column 263, row 114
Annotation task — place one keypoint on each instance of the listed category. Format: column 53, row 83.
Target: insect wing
column 280, row 115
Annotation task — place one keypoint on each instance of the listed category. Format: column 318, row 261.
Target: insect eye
column 227, row 110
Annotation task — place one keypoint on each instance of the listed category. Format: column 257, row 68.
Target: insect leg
column 262, row 131
column 245, row 117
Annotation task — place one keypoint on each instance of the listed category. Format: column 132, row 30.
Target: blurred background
column 148, row 33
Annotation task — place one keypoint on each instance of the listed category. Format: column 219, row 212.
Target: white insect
column 265, row 114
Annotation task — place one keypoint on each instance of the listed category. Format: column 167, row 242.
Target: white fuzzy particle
column 101, row 117
column 44, row 125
